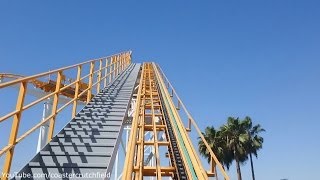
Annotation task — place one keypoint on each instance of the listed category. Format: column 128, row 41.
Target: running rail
column 150, row 118
column 158, row 121
column 176, row 114
column 156, row 113
column 102, row 72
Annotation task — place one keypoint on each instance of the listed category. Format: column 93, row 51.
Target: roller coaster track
column 123, row 100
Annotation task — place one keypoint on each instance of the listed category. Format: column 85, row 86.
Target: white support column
column 116, row 167
column 127, row 129
column 43, row 134
column 131, row 113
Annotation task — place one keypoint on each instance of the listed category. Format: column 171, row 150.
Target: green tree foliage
column 235, row 141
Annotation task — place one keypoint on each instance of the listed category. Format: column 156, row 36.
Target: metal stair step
column 82, row 144
column 48, row 161
column 93, row 133
column 87, row 140
column 110, row 136
column 61, row 153
column 82, row 149
column 97, row 122
column 92, row 125
column 69, row 165
column 87, row 144
column 98, row 129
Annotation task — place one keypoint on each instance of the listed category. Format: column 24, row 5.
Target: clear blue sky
column 225, row 58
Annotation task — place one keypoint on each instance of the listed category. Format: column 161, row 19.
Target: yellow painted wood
column 14, row 130
column 221, row 169
column 105, row 74
column 213, row 169
column 9, row 149
column 76, row 93
column 54, row 106
column 116, row 66
column 150, row 100
column 111, row 69
column 128, row 168
column 33, row 77
column 155, row 134
column 99, row 76
column 200, row 172
column 89, row 93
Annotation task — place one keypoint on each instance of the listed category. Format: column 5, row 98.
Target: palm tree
column 235, row 135
column 235, row 140
column 254, row 141
column 218, row 146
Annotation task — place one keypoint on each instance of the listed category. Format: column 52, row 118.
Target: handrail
column 191, row 120
column 26, row 79
column 112, row 66
column 2, row 85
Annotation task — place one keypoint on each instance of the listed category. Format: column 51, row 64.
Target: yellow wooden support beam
column 106, row 74
column 99, row 76
column 76, row 93
column 155, row 134
column 89, row 93
column 197, row 165
column 59, row 88
column 55, row 106
column 193, row 122
column 14, row 130
column 128, row 168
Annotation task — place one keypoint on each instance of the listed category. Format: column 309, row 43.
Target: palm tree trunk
column 238, row 168
column 252, row 170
